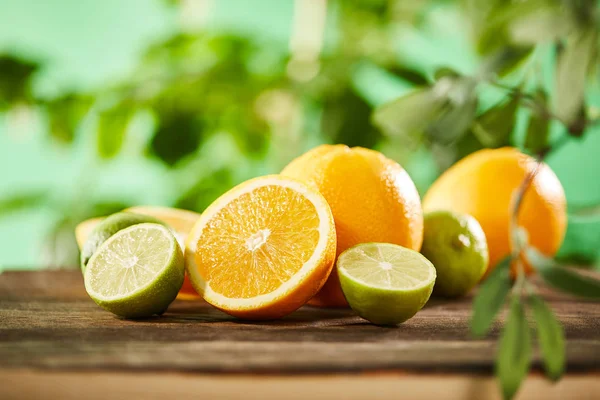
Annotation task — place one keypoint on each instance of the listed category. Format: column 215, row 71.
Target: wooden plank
column 47, row 321
column 70, row 385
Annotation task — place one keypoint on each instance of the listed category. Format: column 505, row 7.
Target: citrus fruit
column 456, row 245
column 483, row 185
column 263, row 249
column 181, row 221
column 372, row 199
column 83, row 230
column 108, row 227
column 137, row 272
column 385, row 283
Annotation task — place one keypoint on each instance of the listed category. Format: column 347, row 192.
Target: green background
column 88, row 44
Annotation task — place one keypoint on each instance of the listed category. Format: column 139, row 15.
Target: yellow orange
column 372, row 199
column 181, row 221
column 263, row 249
column 483, row 185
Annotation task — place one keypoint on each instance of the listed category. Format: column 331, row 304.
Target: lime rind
column 137, row 272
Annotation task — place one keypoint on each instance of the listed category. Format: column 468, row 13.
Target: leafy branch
column 444, row 115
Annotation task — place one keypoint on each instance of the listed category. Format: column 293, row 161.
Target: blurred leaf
column 409, row 75
column 112, row 127
column 538, row 129
column 177, row 136
column 514, row 351
column 543, row 23
column 504, row 60
column 551, row 338
column 573, row 65
column 490, row 298
column 347, row 119
column 15, row 79
column 60, row 249
column 411, row 114
column 494, row 127
column 445, row 72
column 103, row 209
column 517, row 23
column 466, row 145
column 65, row 114
column 21, row 201
column 562, row 278
column 457, row 115
column 205, row 191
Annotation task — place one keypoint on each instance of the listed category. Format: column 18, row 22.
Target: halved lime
column 385, row 283
column 137, row 272
column 108, row 227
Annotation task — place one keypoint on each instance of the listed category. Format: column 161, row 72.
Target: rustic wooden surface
column 47, row 321
column 49, row 325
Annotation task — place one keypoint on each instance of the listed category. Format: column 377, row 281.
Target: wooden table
column 56, row 343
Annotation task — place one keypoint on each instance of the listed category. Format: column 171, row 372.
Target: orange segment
column 262, row 249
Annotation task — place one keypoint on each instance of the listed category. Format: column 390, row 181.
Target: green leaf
column 21, row 201
column 458, row 113
column 494, row 127
column 490, row 298
column 573, row 65
column 410, row 114
column 540, row 24
column 178, row 135
column 112, row 127
column 514, row 351
column 15, row 79
column 347, row 119
column 65, row 114
column 551, row 338
column 505, row 60
column 445, row 72
column 538, row 129
column 562, row 278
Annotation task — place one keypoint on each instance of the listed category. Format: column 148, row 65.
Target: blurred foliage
column 211, row 86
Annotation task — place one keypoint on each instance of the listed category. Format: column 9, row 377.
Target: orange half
column 263, row 249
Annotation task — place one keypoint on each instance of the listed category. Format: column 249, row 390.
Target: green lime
column 108, row 227
column 385, row 283
column 457, row 247
column 137, row 272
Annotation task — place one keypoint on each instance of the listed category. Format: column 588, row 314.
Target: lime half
column 385, row 283
column 108, row 227
column 137, row 272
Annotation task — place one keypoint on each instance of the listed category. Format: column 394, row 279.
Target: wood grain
column 48, row 322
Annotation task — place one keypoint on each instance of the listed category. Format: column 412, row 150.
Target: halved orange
column 263, row 249
column 181, row 221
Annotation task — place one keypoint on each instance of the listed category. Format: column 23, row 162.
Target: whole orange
column 483, row 185
column 372, row 199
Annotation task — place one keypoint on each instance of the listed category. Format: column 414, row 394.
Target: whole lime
column 457, row 247
column 108, row 227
